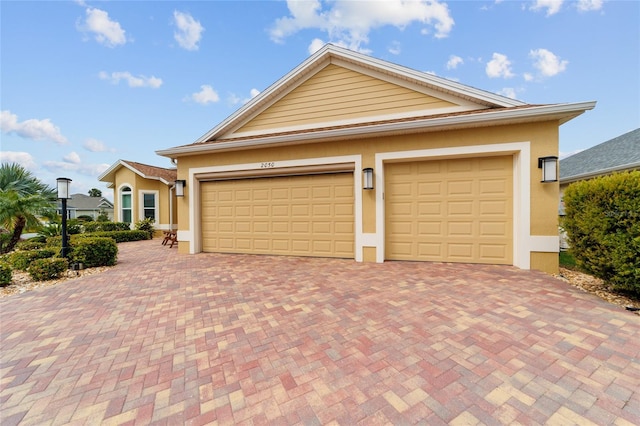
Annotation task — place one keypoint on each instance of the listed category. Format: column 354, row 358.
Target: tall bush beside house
column 603, row 225
column 146, row 225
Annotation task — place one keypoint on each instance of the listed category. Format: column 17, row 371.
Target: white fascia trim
column 490, row 117
column 521, row 190
column 193, row 235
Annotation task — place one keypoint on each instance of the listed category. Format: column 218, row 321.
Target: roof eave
column 601, row 172
column 561, row 112
column 325, row 54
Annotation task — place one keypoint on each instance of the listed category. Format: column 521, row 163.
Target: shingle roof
column 168, row 175
column 620, row 153
column 85, row 202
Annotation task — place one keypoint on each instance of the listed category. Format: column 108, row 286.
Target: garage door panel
column 298, row 215
column 450, row 210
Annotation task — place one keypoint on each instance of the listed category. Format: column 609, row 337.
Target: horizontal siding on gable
column 337, row 93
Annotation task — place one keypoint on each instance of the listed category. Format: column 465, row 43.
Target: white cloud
column 106, row 31
column 499, row 66
column 395, row 48
column 72, row 158
column 528, row 76
column 552, row 6
column 589, row 5
column 509, row 92
column 23, row 158
column 547, row 63
column 189, row 32
column 454, row 61
column 37, row 130
column 132, row 81
column 83, row 169
column 205, row 96
column 348, row 22
column 315, row 45
column 235, row 99
column 94, row 145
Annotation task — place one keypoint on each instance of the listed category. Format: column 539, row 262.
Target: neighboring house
column 142, row 191
column 454, row 170
column 616, row 155
column 84, row 205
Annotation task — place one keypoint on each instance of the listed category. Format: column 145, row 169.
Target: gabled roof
column 475, row 107
column 85, row 202
column 617, row 154
column 164, row 175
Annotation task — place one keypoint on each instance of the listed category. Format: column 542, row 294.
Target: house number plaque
column 268, row 165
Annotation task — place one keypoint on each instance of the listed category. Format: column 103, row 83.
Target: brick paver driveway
column 166, row 338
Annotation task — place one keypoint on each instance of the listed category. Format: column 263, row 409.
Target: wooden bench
column 170, row 236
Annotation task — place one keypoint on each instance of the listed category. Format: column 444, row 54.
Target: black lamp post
column 63, row 195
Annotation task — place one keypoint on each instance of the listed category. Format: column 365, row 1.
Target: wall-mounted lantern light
column 367, row 178
column 63, row 195
column 549, row 166
column 180, row 185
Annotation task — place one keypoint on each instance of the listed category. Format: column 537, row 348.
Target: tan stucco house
column 454, row 170
column 142, row 191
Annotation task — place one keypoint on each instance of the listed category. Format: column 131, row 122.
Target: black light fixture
column 63, row 195
column 180, row 185
column 367, row 178
column 549, row 166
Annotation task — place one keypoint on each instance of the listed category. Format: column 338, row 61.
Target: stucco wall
column 543, row 139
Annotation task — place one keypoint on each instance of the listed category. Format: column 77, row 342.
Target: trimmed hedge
column 117, row 236
column 603, row 225
column 22, row 259
column 48, row 269
column 30, row 245
column 105, row 226
column 96, row 251
column 5, row 274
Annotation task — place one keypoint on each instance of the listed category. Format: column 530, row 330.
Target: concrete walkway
column 165, row 338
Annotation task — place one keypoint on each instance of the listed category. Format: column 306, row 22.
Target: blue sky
column 83, row 83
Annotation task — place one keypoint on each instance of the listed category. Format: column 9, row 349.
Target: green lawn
column 567, row 260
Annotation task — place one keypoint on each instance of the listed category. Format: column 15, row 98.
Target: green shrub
column 31, row 244
column 48, row 269
column 85, row 218
column 95, row 251
column 120, row 236
column 603, row 225
column 22, row 259
column 106, row 226
column 5, row 274
column 146, row 225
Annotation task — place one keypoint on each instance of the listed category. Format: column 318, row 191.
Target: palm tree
column 23, row 198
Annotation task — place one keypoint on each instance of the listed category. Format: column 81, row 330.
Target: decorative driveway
column 168, row 338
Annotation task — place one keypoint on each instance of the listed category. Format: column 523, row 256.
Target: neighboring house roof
column 469, row 107
column 164, row 175
column 85, row 202
column 618, row 154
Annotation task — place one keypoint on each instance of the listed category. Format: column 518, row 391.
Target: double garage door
column 309, row 215
column 457, row 210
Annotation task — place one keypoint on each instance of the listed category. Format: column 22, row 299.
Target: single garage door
column 309, row 215
column 457, row 210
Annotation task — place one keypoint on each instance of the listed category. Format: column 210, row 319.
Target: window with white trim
column 125, row 205
column 149, row 205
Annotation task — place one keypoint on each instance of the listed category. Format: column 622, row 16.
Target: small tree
column 94, row 192
column 23, row 198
